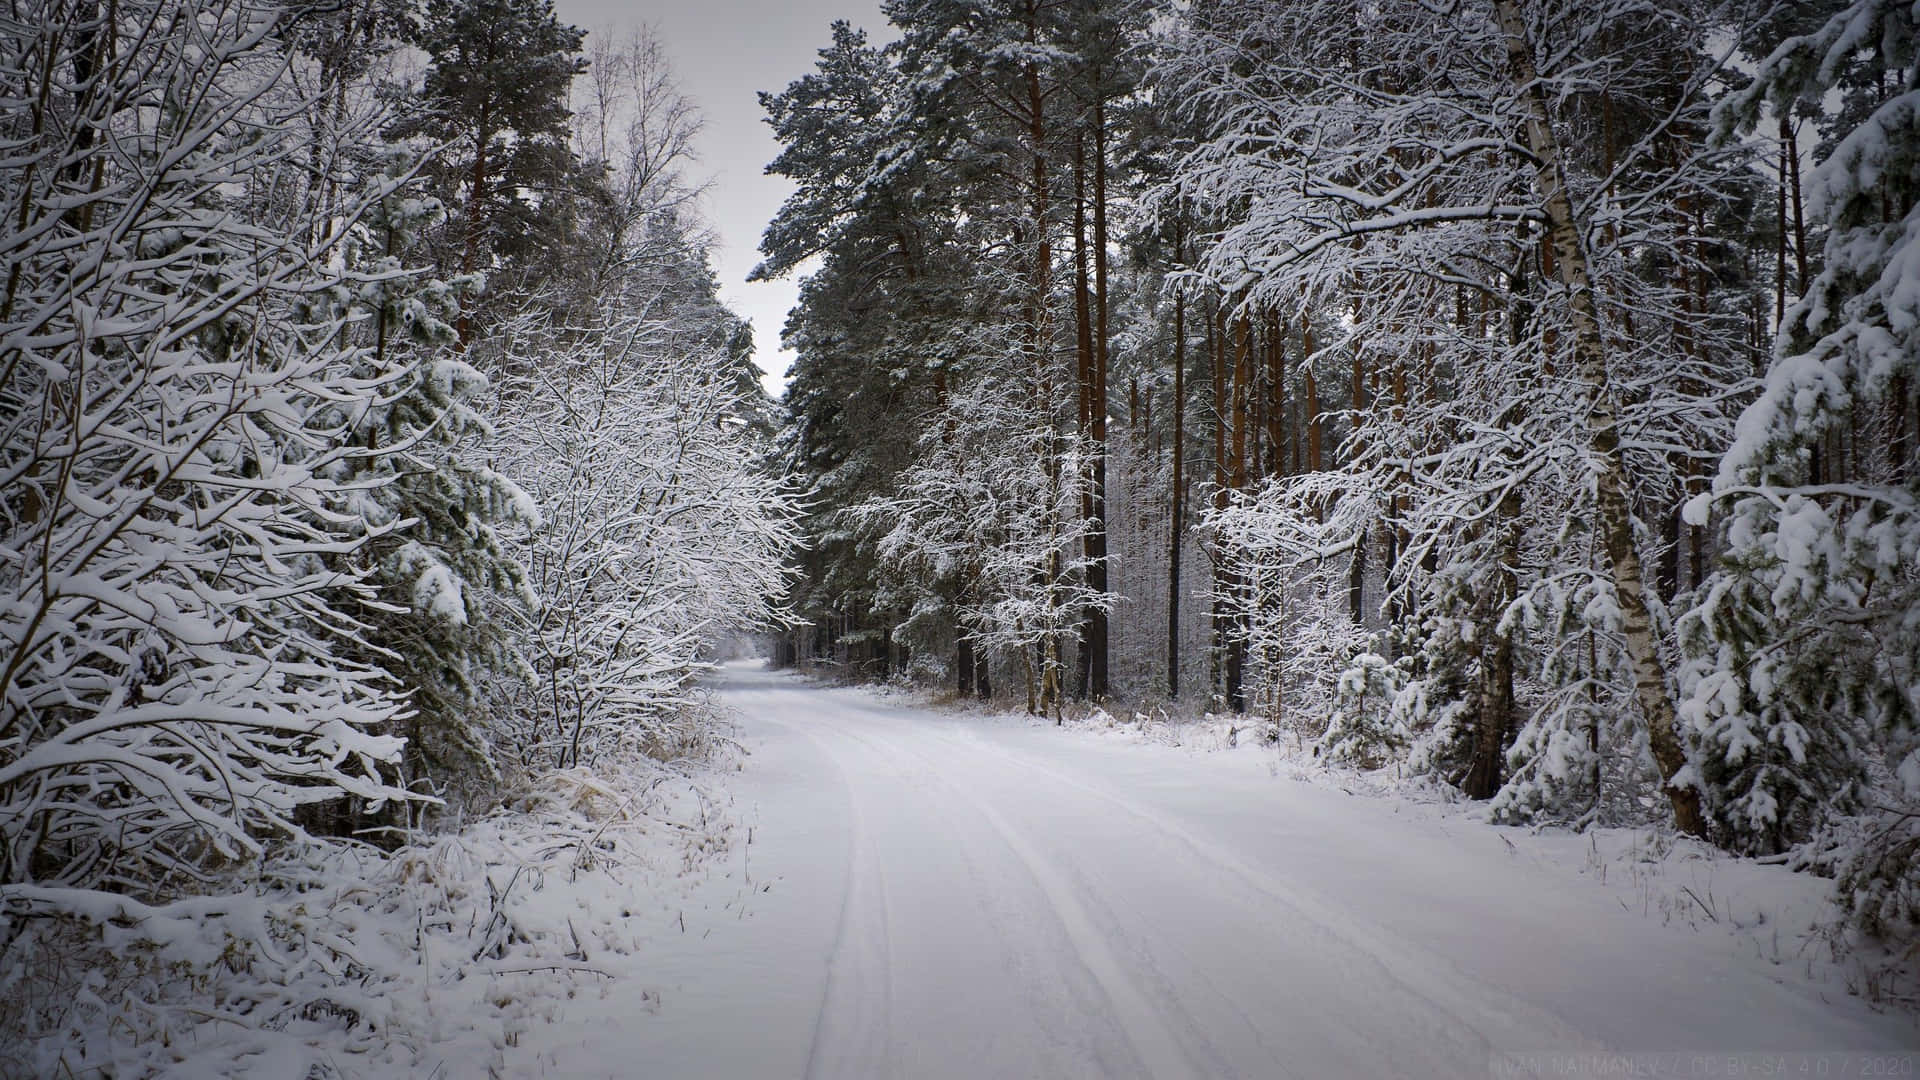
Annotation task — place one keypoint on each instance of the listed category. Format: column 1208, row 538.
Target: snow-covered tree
column 183, row 511
column 658, row 531
column 443, row 573
column 1286, row 600
column 989, row 513
column 495, row 97
column 1410, row 175
column 1804, row 656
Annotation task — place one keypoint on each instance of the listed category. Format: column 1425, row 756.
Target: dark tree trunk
column 1217, row 368
column 1178, row 500
column 1085, row 388
column 1242, row 378
column 1494, row 724
column 1094, row 646
column 476, row 209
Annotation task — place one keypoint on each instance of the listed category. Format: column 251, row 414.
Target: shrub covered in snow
column 183, row 547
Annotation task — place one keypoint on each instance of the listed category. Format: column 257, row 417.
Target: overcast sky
column 725, row 52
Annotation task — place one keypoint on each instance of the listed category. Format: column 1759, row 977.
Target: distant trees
column 987, row 520
column 953, row 181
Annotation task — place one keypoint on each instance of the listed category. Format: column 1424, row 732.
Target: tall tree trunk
column 1085, row 391
column 1217, row 359
column 1082, row 295
column 1094, row 646
column 1040, row 282
column 1276, row 396
column 1242, row 375
column 1313, row 395
column 476, row 209
column 1799, row 216
column 1780, row 248
column 1177, row 511
column 1493, row 724
column 1610, row 480
column 1357, row 572
column 1242, row 391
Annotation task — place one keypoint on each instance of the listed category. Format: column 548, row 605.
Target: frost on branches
column 1540, row 364
column 1805, row 656
column 180, row 516
column 259, row 586
column 448, row 585
column 988, row 519
column 658, row 533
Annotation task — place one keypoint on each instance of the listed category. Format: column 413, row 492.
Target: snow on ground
column 340, row 962
column 936, row 894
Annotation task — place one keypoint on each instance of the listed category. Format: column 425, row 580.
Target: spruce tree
column 1805, row 652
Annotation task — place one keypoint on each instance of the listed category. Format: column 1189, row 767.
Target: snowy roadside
column 1765, row 910
column 432, row 960
column 631, row 911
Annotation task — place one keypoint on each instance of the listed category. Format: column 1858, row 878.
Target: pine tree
column 447, row 583
column 497, row 89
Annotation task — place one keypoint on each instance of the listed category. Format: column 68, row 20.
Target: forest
column 1520, row 398
column 1521, row 394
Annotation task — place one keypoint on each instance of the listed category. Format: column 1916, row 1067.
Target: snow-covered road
column 935, row 895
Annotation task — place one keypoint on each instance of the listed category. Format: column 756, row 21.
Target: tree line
column 1521, row 392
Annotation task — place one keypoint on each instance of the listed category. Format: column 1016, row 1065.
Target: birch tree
column 1398, row 155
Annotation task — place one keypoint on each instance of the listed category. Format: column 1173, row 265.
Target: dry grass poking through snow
column 346, row 961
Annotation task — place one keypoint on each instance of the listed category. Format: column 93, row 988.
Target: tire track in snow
column 1154, row 1044
column 1166, row 1054
column 852, row 1009
column 1374, row 965
column 1429, row 978
column 1450, row 1023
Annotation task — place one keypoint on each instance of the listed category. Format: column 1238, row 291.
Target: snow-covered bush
column 247, row 543
column 181, row 519
column 658, row 532
column 1363, row 731
column 1283, row 553
column 343, row 960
